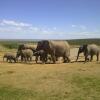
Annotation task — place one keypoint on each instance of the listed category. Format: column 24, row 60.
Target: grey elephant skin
column 26, row 55
column 80, row 50
column 42, row 54
column 26, row 46
column 55, row 49
column 10, row 57
column 91, row 50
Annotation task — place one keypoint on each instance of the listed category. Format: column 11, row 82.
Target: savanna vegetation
column 13, row 44
column 61, row 81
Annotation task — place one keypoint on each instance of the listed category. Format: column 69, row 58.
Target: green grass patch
column 86, row 87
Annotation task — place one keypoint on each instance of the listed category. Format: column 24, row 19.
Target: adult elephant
column 91, row 50
column 27, row 46
column 55, row 49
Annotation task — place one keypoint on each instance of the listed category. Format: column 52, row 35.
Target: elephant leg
column 30, row 58
column 45, row 58
column 36, row 59
column 97, row 56
column 56, row 58
column 26, row 59
column 10, row 60
column 21, row 58
column 14, row 60
column 6, row 59
column 68, row 59
column 65, row 60
column 53, row 58
column 86, row 56
column 91, row 57
column 77, row 56
column 42, row 59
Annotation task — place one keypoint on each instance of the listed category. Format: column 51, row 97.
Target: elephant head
column 21, row 46
column 82, row 49
column 43, row 45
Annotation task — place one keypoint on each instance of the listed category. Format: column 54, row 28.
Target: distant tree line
column 84, row 41
column 13, row 44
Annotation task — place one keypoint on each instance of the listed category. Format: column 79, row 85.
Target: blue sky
column 49, row 19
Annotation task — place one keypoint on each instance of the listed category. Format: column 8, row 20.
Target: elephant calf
column 91, row 50
column 10, row 57
column 42, row 54
column 80, row 50
column 26, row 55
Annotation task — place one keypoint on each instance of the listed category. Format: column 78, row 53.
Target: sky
column 49, row 19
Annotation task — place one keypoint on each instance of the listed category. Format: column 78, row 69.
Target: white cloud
column 82, row 27
column 15, row 29
column 10, row 27
column 74, row 25
column 55, row 28
column 34, row 29
column 13, row 23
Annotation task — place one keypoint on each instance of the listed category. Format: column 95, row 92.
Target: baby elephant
column 42, row 54
column 82, row 49
column 10, row 57
column 91, row 50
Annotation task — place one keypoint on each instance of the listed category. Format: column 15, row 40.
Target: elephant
column 10, row 57
column 44, row 57
column 25, row 54
column 91, row 50
column 80, row 50
column 27, row 46
column 55, row 49
column 42, row 54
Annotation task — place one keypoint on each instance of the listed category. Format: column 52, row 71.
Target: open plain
column 61, row 81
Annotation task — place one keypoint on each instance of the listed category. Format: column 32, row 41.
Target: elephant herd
column 51, row 50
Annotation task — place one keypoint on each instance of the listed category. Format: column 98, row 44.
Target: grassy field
column 72, row 81
column 63, row 81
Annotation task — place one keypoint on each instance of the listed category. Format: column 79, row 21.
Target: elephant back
column 60, row 47
column 27, row 52
column 60, row 44
column 93, row 48
column 27, row 46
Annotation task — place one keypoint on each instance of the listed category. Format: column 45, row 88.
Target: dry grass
column 69, row 81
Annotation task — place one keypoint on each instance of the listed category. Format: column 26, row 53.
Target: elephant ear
column 21, row 46
column 46, row 44
column 85, row 48
column 39, row 46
